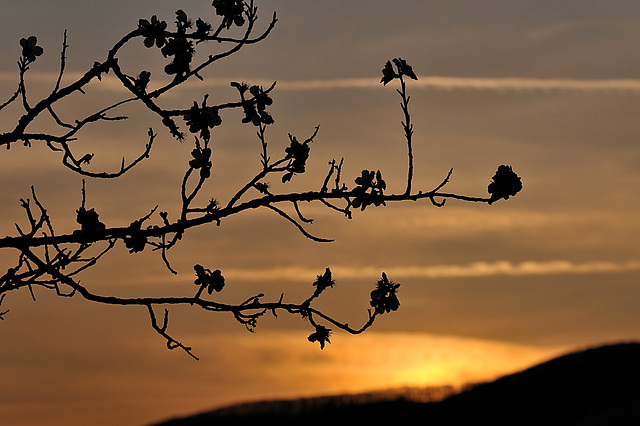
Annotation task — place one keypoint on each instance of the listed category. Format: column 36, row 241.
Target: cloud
column 505, row 84
column 472, row 83
column 475, row 269
column 529, row 84
column 502, row 84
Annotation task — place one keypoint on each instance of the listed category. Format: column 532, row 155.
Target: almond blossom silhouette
column 48, row 260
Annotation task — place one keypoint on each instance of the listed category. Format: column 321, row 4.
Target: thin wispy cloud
column 475, row 269
column 500, row 84
column 471, row 83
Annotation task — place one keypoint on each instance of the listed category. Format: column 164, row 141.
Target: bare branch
column 52, row 261
column 162, row 330
column 297, row 225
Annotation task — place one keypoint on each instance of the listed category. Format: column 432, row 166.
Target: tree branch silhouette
column 49, row 260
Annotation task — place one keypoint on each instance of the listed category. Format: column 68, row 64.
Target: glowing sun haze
column 551, row 89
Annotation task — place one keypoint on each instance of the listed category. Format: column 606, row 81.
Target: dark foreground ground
column 599, row 386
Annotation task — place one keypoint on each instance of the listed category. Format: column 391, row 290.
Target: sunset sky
column 550, row 88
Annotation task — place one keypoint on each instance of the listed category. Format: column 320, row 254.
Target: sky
column 550, row 88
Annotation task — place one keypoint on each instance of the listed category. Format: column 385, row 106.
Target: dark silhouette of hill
column 598, row 386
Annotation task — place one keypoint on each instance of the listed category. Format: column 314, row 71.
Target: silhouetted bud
column 135, row 243
column 202, row 28
column 261, row 98
column 153, row 31
column 366, row 179
column 201, row 160
column 299, row 153
column 404, row 68
column 212, row 280
column 242, row 87
column 216, row 281
column 182, row 51
column 142, row 81
column 262, row 187
column 30, row 48
column 254, row 109
column 375, row 187
column 213, row 206
column 231, row 10
column 505, row 184
column 88, row 220
column 388, row 73
column 171, row 125
column 86, row 159
column 182, row 20
column 321, row 335
column 325, row 280
column 202, row 119
column 384, row 298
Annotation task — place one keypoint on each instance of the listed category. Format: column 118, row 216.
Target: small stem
column 408, row 130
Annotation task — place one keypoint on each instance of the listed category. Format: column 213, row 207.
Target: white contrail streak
column 471, row 83
column 475, row 269
column 501, row 84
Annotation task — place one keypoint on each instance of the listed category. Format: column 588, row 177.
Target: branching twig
column 408, row 130
column 162, row 330
column 297, row 225
column 52, row 261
